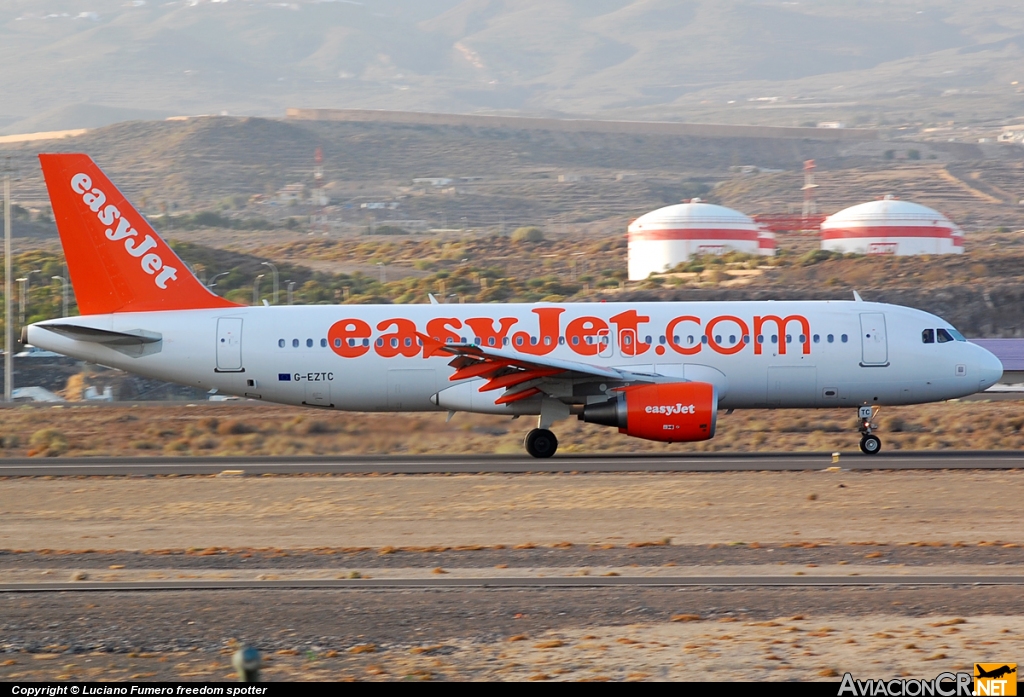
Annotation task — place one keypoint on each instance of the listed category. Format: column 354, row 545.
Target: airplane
column 661, row 371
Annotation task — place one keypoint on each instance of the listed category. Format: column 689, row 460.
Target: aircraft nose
column 990, row 368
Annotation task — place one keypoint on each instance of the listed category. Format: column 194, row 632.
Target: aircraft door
column 874, row 345
column 229, row 345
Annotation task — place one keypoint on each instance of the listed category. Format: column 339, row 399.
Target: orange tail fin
column 116, row 261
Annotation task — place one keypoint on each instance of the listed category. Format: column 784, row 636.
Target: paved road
column 522, row 582
column 468, row 464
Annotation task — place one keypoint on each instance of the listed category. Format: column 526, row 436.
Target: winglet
column 116, row 260
column 857, row 298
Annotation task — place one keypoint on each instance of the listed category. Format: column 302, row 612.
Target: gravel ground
column 470, row 633
column 575, row 556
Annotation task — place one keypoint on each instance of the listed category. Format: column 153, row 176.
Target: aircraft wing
column 521, row 375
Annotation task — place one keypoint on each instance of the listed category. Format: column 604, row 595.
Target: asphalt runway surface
column 504, row 464
column 512, row 583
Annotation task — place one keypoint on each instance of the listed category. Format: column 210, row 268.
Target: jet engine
column 675, row 412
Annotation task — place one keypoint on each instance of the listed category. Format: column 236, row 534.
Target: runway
column 505, row 464
column 518, row 582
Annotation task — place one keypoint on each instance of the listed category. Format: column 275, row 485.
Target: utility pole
column 274, row 269
column 256, row 290
column 64, row 294
column 8, row 291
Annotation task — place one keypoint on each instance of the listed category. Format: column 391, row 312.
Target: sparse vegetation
column 242, row 429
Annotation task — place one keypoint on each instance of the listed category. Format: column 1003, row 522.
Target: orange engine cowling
column 674, row 412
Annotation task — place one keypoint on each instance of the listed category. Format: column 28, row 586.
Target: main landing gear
column 870, row 444
column 540, row 442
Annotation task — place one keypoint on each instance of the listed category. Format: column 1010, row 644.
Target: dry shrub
column 49, row 442
column 318, row 427
column 75, row 388
column 209, row 423
column 204, row 443
column 177, row 446
column 234, row 428
column 894, row 424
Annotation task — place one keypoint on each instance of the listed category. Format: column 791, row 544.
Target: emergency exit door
column 229, row 345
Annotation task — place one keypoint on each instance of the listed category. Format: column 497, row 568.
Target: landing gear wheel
column 870, row 444
column 541, row 442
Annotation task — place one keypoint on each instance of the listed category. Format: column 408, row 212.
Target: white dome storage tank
column 891, row 226
column 671, row 235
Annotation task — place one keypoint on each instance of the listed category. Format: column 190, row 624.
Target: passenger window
column 647, row 340
column 943, row 335
column 295, row 343
column 661, row 339
column 746, row 338
column 732, row 338
column 533, row 341
column 704, row 339
column 505, row 341
column 928, row 336
column 760, row 338
column 844, row 338
column 280, row 343
column 519, row 341
column 309, row 343
column 718, row 339
column 789, row 338
column 366, row 342
column 831, row 338
column 775, row 338
column 394, row 343
column 689, row 339
column 803, row 339
column 561, row 341
column 337, row 343
column 323, row 343
column 817, row 338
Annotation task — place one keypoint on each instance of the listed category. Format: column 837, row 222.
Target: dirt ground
column 247, row 428
column 842, row 523
column 378, row 511
column 792, row 523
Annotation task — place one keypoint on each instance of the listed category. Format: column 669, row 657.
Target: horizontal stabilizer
column 133, row 342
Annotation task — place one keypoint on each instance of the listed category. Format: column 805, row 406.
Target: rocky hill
column 70, row 64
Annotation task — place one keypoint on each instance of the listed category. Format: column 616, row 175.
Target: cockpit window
column 957, row 335
column 928, row 336
column 943, row 335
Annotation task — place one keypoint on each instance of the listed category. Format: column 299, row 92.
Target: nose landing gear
column 870, row 444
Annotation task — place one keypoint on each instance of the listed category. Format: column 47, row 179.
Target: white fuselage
column 836, row 354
